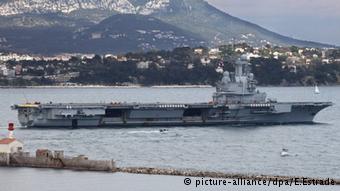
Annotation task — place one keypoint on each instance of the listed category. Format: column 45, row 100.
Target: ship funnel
column 10, row 130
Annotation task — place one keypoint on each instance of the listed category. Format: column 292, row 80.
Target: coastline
column 141, row 86
column 104, row 87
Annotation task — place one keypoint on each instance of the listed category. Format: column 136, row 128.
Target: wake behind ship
column 236, row 101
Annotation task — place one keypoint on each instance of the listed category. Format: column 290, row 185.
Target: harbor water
column 56, row 180
column 314, row 149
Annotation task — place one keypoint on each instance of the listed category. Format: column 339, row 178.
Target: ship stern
column 26, row 113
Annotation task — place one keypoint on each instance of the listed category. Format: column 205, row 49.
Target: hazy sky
column 316, row 20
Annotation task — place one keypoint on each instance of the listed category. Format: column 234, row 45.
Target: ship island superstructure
column 236, row 101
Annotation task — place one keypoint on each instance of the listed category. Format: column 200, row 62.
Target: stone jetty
column 218, row 175
column 47, row 159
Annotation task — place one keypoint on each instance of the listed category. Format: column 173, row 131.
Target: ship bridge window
column 192, row 112
column 113, row 113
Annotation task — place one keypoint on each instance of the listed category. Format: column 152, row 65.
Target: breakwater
column 47, row 159
column 207, row 174
column 56, row 160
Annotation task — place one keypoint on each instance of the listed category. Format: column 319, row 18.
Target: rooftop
column 6, row 141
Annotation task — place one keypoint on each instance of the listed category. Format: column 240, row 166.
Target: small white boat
column 316, row 91
column 284, row 153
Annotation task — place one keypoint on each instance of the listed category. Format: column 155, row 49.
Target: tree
column 267, row 70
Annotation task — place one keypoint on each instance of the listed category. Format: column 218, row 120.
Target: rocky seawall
column 57, row 160
column 219, row 175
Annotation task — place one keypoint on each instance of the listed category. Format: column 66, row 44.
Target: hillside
column 116, row 34
column 218, row 27
column 100, row 26
column 129, row 32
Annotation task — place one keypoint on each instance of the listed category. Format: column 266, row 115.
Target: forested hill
column 181, row 66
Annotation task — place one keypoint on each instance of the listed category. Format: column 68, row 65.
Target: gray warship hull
column 138, row 115
column 236, row 101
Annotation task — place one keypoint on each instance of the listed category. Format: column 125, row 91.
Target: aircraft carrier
column 235, row 102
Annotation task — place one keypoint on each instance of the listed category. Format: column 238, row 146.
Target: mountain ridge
column 13, row 7
column 202, row 17
column 135, row 33
column 191, row 19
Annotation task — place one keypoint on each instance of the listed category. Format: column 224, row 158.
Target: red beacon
column 10, row 129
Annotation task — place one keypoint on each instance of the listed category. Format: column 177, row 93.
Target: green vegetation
column 181, row 66
column 164, row 68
